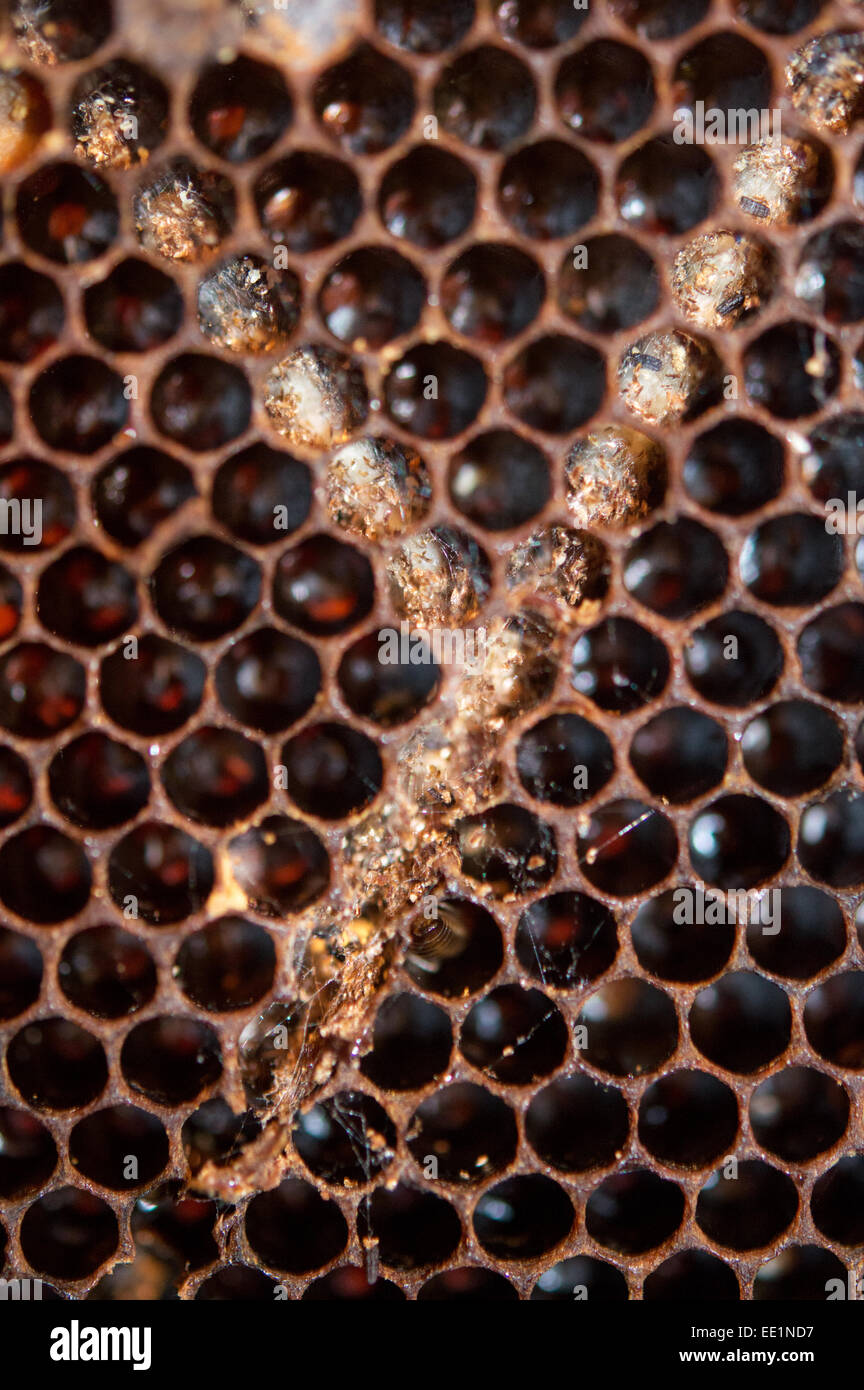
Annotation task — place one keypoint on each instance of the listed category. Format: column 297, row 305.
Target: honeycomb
column 334, row 978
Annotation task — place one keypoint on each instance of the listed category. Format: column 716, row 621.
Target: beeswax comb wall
column 368, row 979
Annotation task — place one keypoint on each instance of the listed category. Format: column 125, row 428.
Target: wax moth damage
column 395, row 863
